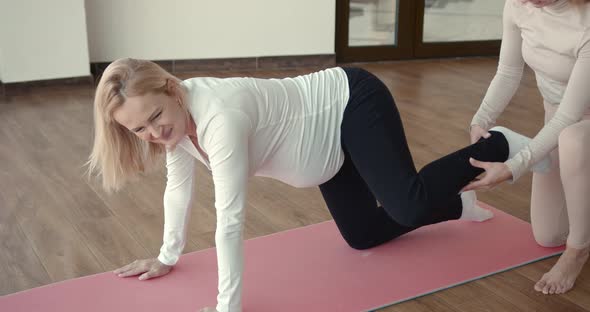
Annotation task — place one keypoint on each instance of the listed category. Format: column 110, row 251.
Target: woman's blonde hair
column 118, row 155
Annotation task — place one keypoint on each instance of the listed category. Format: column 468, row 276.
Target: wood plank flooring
column 56, row 225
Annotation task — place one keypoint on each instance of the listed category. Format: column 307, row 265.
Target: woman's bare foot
column 563, row 274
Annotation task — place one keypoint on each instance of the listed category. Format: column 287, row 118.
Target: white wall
column 201, row 29
column 42, row 40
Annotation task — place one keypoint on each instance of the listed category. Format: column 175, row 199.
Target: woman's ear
column 171, row 87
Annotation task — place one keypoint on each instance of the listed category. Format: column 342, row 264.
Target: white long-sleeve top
column 287, row 129
column 555, row 42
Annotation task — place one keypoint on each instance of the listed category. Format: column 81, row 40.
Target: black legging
column 378, row 166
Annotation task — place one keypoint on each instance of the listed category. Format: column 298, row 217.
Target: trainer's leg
column 574, row 174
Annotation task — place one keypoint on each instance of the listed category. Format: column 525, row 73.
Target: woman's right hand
column 149, row 267
column 476, row 132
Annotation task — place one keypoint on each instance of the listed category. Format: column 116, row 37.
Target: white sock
column 471, row 211
column 517, row 142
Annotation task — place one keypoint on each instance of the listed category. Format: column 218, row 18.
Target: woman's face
column 539, row 3
column 154, row 117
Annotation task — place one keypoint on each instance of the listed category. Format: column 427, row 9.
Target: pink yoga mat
column 309, row 269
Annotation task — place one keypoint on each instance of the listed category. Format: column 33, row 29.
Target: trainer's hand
column 496, row 173
column 149, row 267
column 478, row 132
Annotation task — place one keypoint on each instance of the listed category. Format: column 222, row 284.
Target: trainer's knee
column 549, row 239
column 574, row 142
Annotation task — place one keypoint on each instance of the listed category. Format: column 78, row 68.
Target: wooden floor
column 55, row 225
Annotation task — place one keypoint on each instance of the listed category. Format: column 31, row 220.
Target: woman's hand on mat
column 148, row 268
column 496, row 173
column 476, row 132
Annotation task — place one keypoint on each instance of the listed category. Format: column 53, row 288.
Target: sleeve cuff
column 516, row 169
column 480, row 122
column 167, row 260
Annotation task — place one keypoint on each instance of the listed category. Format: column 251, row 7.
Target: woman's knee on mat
column 361, row 243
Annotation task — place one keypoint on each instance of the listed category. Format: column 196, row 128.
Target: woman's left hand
column 496, row 173
column 208, row 310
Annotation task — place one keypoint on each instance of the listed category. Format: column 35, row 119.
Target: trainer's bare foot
column 563, row 274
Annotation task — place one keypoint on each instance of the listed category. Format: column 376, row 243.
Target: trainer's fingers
column 475, row 185
column 478, row 164
column 467, row 187
column 475, row 137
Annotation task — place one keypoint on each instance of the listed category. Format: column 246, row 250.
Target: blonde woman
column 337, row 129
column 553, row 38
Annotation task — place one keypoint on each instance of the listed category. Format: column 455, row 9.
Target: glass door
column 369, row 30
column 458, row 27
column 372, row 30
